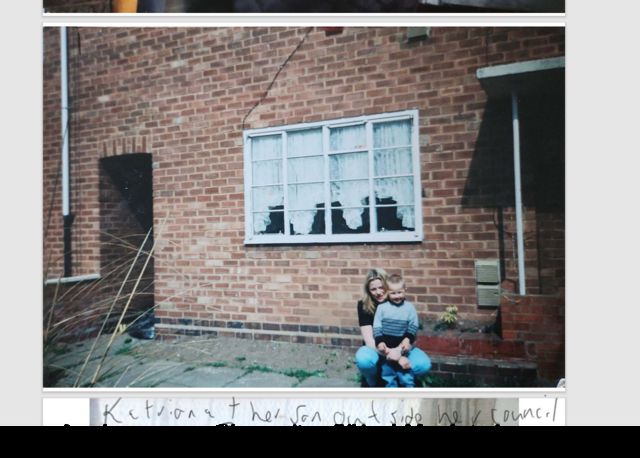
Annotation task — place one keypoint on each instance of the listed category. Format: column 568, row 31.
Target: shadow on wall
column 490, row 183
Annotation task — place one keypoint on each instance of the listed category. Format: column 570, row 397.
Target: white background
column 603, row 317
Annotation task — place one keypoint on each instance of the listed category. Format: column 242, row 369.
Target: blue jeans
column 394, row 376
column 367, row 360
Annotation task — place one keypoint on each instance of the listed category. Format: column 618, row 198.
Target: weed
column 302, row 374
column 216, row 364
column 257, row 368
column 436, row 381
column 240, row 358
column 449, row 319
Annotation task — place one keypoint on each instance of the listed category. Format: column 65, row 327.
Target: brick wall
column 126, row 274
column 181, row 94
column 539, row 323
column 528, row 349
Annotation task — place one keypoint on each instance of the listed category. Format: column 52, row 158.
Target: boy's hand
column 404, row 362
column 394, row 354
column 405, row 346
column 382, row 347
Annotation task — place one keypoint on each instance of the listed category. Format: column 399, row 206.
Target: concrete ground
column 219, row 362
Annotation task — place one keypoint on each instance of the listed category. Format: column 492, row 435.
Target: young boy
column 396, row 324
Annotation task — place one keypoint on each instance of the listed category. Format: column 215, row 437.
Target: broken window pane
column 267, row 147
column 348, row 166
column 394, row 161
column 393, row 133
column 304, row 143
column 347, row 138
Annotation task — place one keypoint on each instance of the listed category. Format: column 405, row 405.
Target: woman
column 368, row 357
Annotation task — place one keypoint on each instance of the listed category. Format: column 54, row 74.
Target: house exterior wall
column 181, row 94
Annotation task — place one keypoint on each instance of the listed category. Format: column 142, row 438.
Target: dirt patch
column 298, row 360
column 129, row 355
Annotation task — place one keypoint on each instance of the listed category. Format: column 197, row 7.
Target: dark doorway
column 126, row 239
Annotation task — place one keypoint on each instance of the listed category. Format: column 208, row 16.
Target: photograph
column 302, row 6
column 303, row 207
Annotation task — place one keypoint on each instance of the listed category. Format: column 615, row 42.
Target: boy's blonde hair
column 396, row 279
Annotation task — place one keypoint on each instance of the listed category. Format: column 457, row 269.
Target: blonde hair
column 368, row 303
column 395, row 279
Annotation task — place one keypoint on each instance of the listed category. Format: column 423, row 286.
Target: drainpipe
column 67, row 216
column 518, row 191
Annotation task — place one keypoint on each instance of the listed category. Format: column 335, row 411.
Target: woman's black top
column 364, row 318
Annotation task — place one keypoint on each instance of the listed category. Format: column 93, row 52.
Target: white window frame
column 373, row 235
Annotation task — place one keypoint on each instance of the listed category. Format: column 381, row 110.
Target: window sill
column 280, row 239
column 76, row 279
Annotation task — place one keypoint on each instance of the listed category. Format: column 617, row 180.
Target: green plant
column 439, row 381
column 257, row 368
column 449, row 318
column 302, row 374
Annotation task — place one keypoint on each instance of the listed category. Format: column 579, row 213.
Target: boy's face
column 396, row 292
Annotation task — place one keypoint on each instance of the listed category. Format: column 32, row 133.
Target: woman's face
column 377, row 291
